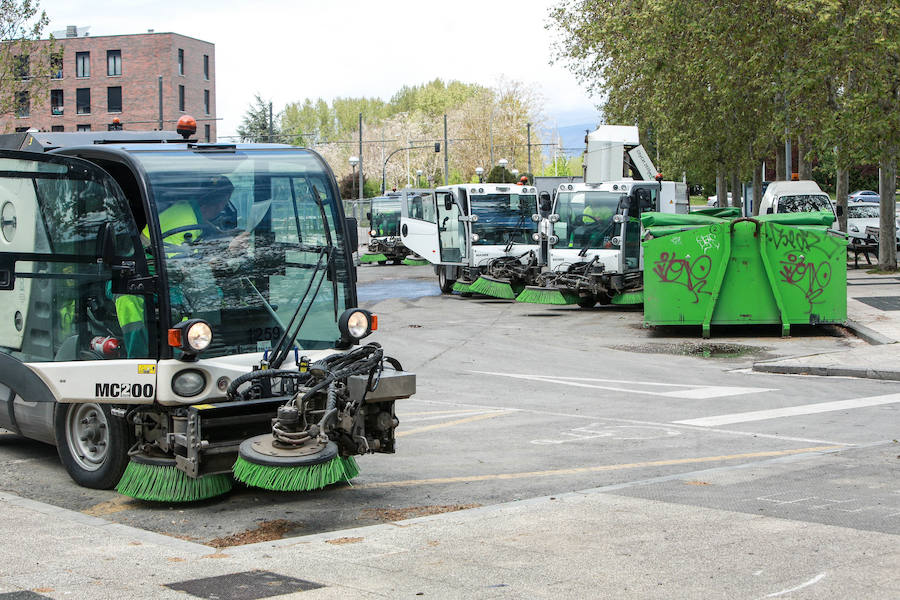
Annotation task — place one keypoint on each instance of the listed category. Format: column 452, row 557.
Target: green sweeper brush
column 373, row 258
column 159, row 480
column 263, row 463
column 628, row 298
column 462, row 287
column 496, row 288
column 414, row 262
column 539, row 295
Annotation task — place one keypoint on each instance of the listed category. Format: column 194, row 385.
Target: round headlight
column 553, row 239
column 536, row 237
column 357, row 324
column 188, row 383
column 199, row 336
column 373, row 233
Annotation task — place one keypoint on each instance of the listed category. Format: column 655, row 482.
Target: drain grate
column 248, row 585
column 882, row 302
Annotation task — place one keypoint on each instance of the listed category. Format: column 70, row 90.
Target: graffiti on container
column 810, row 277
column 707, row 241
column 692, row 274
column 799, row 240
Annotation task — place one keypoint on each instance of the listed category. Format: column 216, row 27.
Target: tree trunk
column 841, row 189
column 887, row 234
column 804, row 166
column 735, row 189
column 779, row 165
column 721, row 187
column 757, row 190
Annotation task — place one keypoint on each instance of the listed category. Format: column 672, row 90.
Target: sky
column 289, row 51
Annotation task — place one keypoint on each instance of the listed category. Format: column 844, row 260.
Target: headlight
column 854, row 228
column 356, row 324
column 373, row 233
column 188, row 383
column 191, row 337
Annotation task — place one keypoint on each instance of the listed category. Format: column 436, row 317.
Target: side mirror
column 105, row 248
column 369, row 215
column 351, row 226
column 840, row 210
column 448, row 203
column 623, row 203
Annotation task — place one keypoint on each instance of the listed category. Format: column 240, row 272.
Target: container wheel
column 92, row 444
column 445, row 284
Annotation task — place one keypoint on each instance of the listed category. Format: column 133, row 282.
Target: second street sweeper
column 472, row 233
column 176, row 315
column 384, row 230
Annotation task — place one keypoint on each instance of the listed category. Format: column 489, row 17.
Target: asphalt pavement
column 807, row 509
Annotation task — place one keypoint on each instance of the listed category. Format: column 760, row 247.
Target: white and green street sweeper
column 177, row 315
column 384, row 229
column 481, row 238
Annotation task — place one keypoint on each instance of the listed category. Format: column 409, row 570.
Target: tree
column 24, row 63
column 255, row 125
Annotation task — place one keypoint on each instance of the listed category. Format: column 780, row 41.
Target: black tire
column 445, row 284
column 397, row 261
column 382, row 262
column 604, row 299
column 80, row 444
column 587, row 301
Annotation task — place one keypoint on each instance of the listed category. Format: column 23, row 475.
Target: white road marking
column 695, row 392
column 812, row 581
column 616, row 432
column 792, row 411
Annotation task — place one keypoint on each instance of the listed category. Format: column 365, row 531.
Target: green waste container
column 776, row 269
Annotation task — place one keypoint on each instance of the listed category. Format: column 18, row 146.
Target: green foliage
column 500, row 175
column 254, row 125
column 349, row 185
column 433, row 98
column 24, row 63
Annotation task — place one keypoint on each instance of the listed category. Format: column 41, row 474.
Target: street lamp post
column 479, row 171
column 437, row 148
column 418, row 176
column 354, row 160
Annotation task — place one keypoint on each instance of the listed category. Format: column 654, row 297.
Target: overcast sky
column 289, row 51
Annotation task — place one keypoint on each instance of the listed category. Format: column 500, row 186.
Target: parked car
column 795, row 196
column 714, row 200
column 864, row 196
column 861, row 215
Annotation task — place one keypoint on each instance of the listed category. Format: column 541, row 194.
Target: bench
column 868, row 245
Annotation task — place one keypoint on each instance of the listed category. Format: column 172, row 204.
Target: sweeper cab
column 174, row 314
column 464, row 229
column 384, row 229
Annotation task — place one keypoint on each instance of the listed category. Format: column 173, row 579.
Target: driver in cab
column 594, row 215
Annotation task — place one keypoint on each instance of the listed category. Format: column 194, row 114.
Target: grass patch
column 878, row 271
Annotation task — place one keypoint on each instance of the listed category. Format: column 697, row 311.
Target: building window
column 206, row 101
column 181, row 62
column 23, row 104
column 83, row 127
column 206, row 132
column 21, row 67
column 22, row 129
column 82, row 64
column 114, row 99
column 57, row 128
column 114, row 63
column 83, row 101
column 56, row 102
column 56, row 66
column 206, row 67
column 181, row 98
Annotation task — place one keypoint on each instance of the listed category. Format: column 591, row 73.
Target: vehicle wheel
column 445, row 284
column 92, row 444
column 604, row 299
column 397, row 261
column 382, row 262
column 587, row 301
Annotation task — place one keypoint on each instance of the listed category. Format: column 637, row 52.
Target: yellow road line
column 594, row 469
column 451, row 423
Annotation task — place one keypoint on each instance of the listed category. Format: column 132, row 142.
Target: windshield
column 803, row 203
column 243, row 233
column 863, row 212
column 386, row 216
column 586, row 219
column 503, row 218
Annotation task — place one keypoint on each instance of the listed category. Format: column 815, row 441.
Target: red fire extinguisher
column 107, row 346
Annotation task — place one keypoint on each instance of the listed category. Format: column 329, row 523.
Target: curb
column 828, row 371
column 869, row 335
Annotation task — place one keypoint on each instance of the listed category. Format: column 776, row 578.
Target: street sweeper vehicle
column 384, row 231
column 481, row 238
column 595, row 250
column 177, row 315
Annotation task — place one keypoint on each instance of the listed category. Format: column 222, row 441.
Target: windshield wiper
column 266, row 304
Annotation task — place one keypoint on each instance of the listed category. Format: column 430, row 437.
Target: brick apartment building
column 95, row 79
